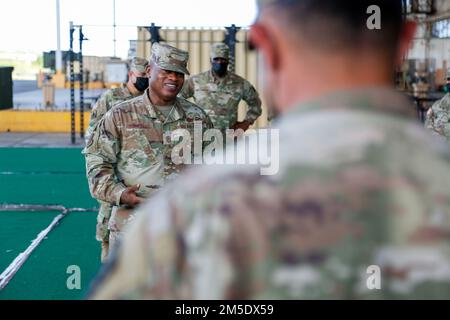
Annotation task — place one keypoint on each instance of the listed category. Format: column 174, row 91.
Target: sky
column 30, row 25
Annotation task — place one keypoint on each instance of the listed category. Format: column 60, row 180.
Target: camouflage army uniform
column 438, row 117
column 220, row 97
column 104, row 104
column 353, row 191
column 133, row 144
column 108, row 99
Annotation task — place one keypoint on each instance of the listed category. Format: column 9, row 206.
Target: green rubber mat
column 54, row 176
column 44, row 275
column 66, row 189
column 41, row 160
column 17, row 230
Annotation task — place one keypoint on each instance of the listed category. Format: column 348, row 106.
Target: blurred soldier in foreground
column 219, row 91
column 136, row 85
column 360, row 207
column 128, row 157
column 438, row 116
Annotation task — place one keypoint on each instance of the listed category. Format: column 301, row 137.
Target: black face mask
column 141, row 84
column 220, row 68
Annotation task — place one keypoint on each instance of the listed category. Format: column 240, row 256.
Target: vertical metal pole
column 72, row 86
column 58, row 39
column 80, row 58
column 114, row 26
column 230, row 40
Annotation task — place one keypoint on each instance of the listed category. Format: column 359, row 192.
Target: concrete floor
column 33, row 100
column 20, row 86
column 27, row 96
column 39, row 140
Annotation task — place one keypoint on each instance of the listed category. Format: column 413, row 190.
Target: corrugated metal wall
column 197, row 42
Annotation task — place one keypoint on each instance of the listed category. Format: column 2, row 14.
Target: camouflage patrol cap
column 138, row 64
column 170, row 58
column 220, row 50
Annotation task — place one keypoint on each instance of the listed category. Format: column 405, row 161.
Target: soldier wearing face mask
column 219, row 91
column 136, row 85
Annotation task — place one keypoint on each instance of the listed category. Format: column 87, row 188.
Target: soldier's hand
column 129, row 196
column 244, row 125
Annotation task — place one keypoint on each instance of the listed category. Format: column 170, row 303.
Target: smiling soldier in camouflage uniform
column 129, row 155
column 219, row 91
column 360, row 207
column 136, row 85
